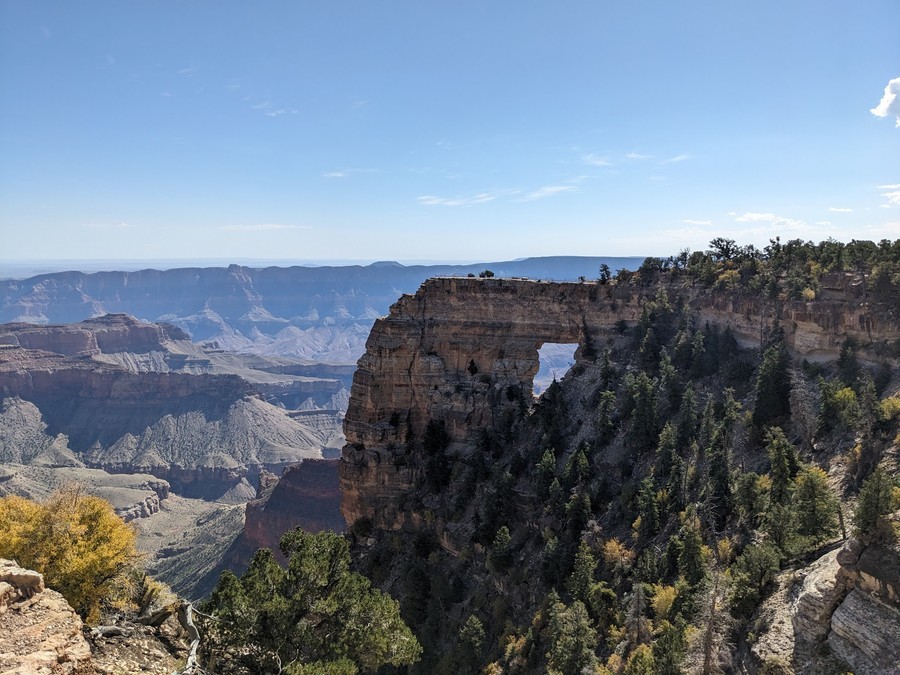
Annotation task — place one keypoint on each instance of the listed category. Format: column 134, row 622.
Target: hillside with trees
column 640, row 515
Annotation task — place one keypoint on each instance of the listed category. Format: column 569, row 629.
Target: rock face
column 865, row 627
column 40, row 634
column 461, row 353
column 306, row 495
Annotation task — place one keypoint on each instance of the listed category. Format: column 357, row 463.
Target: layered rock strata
column 462, row 353
column 865, row 626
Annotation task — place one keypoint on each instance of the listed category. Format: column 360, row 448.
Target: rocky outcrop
column 109, row 333
column 40, row 634
column 865, row 627
column 306, row 495
column 461, row 353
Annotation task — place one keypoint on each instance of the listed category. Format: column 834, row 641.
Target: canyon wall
column 461, row 354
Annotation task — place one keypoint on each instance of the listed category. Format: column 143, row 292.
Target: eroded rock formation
column 88, row 394
column 462, row 353
column 40, row 634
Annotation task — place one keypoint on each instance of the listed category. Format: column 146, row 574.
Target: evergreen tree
column 501, row 553
column 773, row 387
column 690, row 557
column 752, row 573
column 719, row 497
column 816, row 505
column 875, row 500
column 648, row 509
column 572, row 639
column 314, row 613
column 582, row 578
column 606, row 417
column 784, row 464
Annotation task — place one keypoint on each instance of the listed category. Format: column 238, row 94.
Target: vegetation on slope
column 75, row 540
column 315, row 617
column 635, row 517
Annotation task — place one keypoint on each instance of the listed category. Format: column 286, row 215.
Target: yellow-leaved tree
column 74, row 539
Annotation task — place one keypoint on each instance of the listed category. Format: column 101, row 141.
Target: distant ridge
column 317, row 314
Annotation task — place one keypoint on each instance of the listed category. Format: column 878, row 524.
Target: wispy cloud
column 281, row 111
column 548, row 191
column 892, row 195
column 343, row 173
column 771, row 220
column 677, row 158
column 188, row 72
column 890, row 102
column 592, row 159
column 480, row 198
column 823, row 222
column 637, row 155
column 691, row 221
column 837, row 209
column 263, row 227
column 166, row 94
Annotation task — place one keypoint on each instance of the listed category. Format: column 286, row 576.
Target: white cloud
column 890, row 102
column 691, row 221
column 480, row 198
column 334, row 174
column 836, row 209
column 548, row 191
column 677, row 158
column 891, row 194
column 281, row 111
column 754, row 217
column 823, row 222
column 637, row 155
column 595, row 160
column 188, row 72
column 263, row 227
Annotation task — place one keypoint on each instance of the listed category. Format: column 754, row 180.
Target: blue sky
column 442, row 130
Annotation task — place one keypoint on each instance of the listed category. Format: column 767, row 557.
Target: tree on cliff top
column 314, row 616
column 75, row 540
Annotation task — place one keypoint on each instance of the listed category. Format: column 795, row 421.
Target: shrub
column 75, row 540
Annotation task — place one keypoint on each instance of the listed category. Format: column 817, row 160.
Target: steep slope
column 658, row 487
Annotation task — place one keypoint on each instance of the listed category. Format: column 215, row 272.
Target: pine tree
column 875, row 500
column 815, row 503
column 773, row 387
column 784, row 464
column 582, row 578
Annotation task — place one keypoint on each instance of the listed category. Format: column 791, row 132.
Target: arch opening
column 555, row 359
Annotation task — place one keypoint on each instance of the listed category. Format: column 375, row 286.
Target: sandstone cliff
column 463, row 353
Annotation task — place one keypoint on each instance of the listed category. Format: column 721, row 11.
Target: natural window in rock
column 555, row 360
